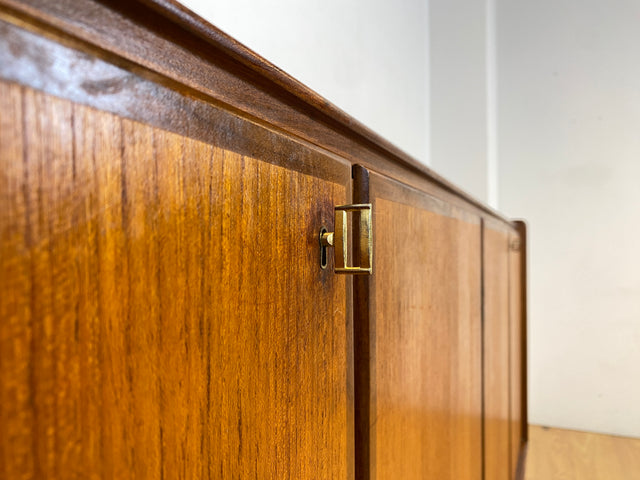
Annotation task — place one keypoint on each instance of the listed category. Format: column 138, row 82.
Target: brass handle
column 339, row 239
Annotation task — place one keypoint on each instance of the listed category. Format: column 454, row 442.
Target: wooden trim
column 364, row 341
column 521, row 226
column 107, row 87
column 162, row 41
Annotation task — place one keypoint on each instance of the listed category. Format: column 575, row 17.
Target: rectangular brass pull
column 339, row 239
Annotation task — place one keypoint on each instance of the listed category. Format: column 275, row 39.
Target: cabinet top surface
column 163, row 37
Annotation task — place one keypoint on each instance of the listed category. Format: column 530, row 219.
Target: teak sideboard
column 169, row 307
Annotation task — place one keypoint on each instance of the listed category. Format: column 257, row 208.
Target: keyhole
column 323, row 249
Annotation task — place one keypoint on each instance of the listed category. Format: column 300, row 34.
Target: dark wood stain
column 363, row 343
column 93, row 82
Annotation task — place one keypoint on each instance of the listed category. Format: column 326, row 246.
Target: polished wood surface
column 162, row 310
column 497, row 436
column 515, row 351
column 557, row 454
column 425, row 325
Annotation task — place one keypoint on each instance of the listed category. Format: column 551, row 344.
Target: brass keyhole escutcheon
column 339, row 240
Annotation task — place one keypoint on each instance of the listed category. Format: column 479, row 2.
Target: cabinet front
column 175, row 218
column 163, row 314
column 418, row 338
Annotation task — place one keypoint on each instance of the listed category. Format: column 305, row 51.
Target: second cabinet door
column 418, row 338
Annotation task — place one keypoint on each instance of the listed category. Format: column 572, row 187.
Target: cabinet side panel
column 163, row 309
column 427, row 412
column 497, row 440
column 515, row 351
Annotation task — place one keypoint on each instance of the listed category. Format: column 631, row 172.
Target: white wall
column 462, row 124
column 368, row 57
column 569, row 148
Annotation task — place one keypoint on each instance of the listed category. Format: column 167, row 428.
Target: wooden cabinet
column 164, row 313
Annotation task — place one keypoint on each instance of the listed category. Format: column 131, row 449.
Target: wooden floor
column 557, row 454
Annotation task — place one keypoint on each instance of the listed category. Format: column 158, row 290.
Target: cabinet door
column 163, row 313
column 496, row 352
column 418, row 338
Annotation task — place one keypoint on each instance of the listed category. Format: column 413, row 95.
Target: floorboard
column 557, row 454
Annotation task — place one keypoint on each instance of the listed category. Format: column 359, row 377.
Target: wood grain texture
column 425, row 327
column 557, row 454
column 516, row 358
column 497, row 436
column 149, row 327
